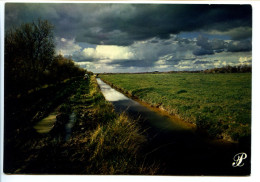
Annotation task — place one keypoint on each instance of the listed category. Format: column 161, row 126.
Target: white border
column 255, row 109
column 1, row 86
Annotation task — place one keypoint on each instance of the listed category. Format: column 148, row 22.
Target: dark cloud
column 218, row 45
column 201, row 52
column 209, row 46
column 205, row 47
column 185, row 41
column 203, row 42
column 123, row 24
column 219, row 50
column 80, row 57
column 154, row 41
column 202, row 62
column 161, row 36
column 240, row 33
column 131, row 63
column 239, row 46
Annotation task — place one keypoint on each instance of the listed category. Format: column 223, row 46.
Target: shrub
column 30, row 59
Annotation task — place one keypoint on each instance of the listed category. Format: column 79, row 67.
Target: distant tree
column 29, row 50
column 230, row 69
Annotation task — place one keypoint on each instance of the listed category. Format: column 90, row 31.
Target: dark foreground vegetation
column 30, row 59
column 88, row 137
column 218, row 104
column 100, row 141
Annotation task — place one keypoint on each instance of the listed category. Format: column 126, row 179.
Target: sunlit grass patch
column 45, row 125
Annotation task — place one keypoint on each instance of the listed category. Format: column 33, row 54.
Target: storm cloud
column 138, row 36
column 240, row 46
column 122, row 24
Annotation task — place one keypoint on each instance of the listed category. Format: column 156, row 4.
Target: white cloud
column 217, row 63
column 162, row 66
column 108, row 52
column 114, row 52
column 88, row 52
column 245, row 59
column 66, row 46
column 160, row 62
column 154, row 55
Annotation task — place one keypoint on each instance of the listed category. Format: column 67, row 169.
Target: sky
column 144, row 37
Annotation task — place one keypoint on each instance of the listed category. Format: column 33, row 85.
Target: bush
column 231, row 69
column 63, row 68
column 30, row 59
column 29, row 50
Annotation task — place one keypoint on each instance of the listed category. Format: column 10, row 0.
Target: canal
column 177, row 147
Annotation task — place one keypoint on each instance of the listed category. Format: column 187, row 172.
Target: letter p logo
column 238, row 159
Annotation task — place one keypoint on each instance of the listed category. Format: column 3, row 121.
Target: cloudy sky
column 144, row 37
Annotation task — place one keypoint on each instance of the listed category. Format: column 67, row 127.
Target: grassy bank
column 219, row 104
column 100, row 142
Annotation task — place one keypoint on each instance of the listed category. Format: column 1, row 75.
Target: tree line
column 30, row 59
column 230, row 69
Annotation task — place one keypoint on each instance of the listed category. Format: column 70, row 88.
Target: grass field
column 217, row 103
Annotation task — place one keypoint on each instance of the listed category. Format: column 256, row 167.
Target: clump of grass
column 116, row 147
column 112, row 148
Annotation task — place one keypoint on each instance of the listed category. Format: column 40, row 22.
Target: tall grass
column 116, row 147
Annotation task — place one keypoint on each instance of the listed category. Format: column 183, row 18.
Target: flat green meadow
column 219, row 104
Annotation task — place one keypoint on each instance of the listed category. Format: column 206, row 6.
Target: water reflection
column 135, row 110
column 69, row 126
column 109, row 93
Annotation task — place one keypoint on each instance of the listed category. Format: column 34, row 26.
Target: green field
column 217, row 103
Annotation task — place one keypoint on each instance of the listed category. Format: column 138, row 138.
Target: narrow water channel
column 178, row 149
column 46, row 125
column 69, row 125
